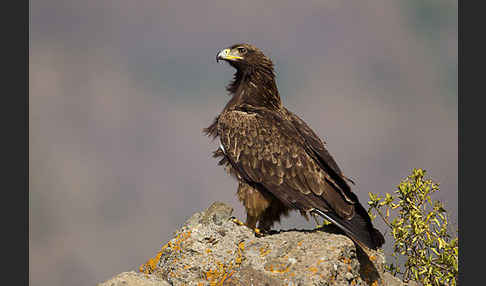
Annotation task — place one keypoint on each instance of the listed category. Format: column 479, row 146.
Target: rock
column 211, row 249
column 134, row 279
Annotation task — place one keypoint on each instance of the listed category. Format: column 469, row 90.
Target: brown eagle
column 279, row 162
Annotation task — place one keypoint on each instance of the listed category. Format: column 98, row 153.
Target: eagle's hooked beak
column 228, row 55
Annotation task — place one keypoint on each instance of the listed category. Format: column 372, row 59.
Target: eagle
column 278, row 160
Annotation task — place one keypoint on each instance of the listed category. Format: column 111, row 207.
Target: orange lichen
column 216, row 277
column 313, row 269
column 177, row 245
column 346, row 260
column 277, row 268
column 224, row 271
column 226, row 277
column 241, row 248
column 264, row 252
column 332, row 279
column 151, row 264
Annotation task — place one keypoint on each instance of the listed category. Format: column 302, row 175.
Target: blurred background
column 120, row 91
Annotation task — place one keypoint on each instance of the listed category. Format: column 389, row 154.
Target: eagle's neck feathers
column 254, row 86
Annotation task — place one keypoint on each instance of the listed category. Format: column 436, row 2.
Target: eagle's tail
column 358, row 228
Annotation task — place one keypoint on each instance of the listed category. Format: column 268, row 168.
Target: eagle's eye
column 242, row 51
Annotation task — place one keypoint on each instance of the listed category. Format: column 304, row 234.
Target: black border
column 471, row 117
column 462, row 276
column 15, row 103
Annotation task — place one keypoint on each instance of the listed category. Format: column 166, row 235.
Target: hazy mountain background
column 120, row 91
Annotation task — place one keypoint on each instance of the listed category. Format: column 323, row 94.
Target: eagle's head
column 245, row 58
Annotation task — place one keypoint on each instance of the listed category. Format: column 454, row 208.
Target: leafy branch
column 420, row 231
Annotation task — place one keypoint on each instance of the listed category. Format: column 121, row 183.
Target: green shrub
column 420, row 232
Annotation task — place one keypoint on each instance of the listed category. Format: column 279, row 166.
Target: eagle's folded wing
column 271, row 152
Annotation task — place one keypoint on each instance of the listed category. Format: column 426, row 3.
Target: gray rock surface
column 134, row 279
column 211, row 249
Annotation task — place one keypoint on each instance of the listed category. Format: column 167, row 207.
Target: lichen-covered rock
column 134, row 279
column 211, row 249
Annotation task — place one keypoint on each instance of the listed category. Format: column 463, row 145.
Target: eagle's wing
column 318, row 151
column 267, row 149
column 314, row 142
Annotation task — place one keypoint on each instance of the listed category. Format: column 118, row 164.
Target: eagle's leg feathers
column 272, row 214
column 251, row 221
column 261, row 208
column 255, row 204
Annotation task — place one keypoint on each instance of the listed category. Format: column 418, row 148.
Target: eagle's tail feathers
column 358, row 229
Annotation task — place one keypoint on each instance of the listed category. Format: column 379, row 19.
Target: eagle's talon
column 259, row 232
column 237, row 221
column 323, row 225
